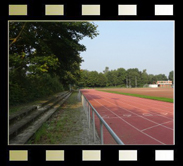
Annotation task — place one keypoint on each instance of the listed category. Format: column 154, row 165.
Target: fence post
column 102, row 121
column 79, row 95
column 93, row 125
column 89, row 115
column 82, row 101
column 101, row 132
column 85, row 105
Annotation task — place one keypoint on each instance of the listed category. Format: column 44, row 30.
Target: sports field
column 136, row 121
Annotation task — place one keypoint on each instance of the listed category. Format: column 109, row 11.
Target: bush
column 32, row 88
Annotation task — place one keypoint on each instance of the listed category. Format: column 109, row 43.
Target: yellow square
column 90, row 9
column 127, row 10
column 17, row 10
column 54, row 155
column 54, row 10
column 91, row 155
column 18, row 155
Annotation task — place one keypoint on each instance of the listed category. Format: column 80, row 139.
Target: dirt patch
column 157, row 92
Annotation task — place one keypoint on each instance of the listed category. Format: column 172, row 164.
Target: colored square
column 54, row 10
column 164, row 155
column 127, row 155
column 54, row 155
column 90, row 10
column 91, row 155
column 127, row 10
column 17, row 10
column 163, row 10
column 18, row 155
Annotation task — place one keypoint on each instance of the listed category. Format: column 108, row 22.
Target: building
column 164, row 83
column 153, row 85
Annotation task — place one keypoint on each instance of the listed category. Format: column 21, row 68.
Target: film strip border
column 91, row 155
column 100, row 154
column 90, row 10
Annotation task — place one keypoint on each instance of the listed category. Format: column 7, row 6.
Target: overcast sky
column 131, row 44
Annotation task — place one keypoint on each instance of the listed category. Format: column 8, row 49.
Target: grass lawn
column 141, row 96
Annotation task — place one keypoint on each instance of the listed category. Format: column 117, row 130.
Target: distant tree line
column 120, row 78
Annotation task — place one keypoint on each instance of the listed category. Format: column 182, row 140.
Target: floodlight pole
column 135, row 81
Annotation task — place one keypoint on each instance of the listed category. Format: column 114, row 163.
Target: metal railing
column 88, row 107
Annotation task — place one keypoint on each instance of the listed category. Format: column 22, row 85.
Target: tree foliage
column 170, row 77
column 119, row 78
column 37, row 49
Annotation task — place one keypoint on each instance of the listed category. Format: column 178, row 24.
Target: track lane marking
column 130, row 124
column 162, row 103
column 160, row 114
column 155, row 126
column 142, row 101
column 107, row 96
column 142, row 109
column 109, row 117
column 138, row 114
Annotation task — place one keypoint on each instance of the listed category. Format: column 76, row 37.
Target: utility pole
column 129, row 82
column 126, row 82
column 135, row 81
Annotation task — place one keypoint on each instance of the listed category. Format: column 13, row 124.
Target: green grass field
column 141, row 96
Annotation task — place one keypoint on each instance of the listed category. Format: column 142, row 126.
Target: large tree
column 92, row 79
column 133, row 75
column 161, row 77
column 170, row 77
column 101, row 80
column 52, row 47
column 121, row 74
column 144, row 77
column 44, row 57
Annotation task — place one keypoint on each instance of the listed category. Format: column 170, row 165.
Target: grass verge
column 62, row 127
column 141, row 96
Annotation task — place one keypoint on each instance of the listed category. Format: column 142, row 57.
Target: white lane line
column 159, row 114
column 140, row 108
column 154, row 102
column 109, row 117
column 155, row 126
column 147, row 114
column 150, row 106
column 142, row 101
column 164, row 113
column 138, row 115
column 143, row 109
column 127, row 115
column 130, row 124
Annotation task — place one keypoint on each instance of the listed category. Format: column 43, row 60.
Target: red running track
column 136, row 121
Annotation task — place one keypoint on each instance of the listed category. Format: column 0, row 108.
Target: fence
column 88, row 107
